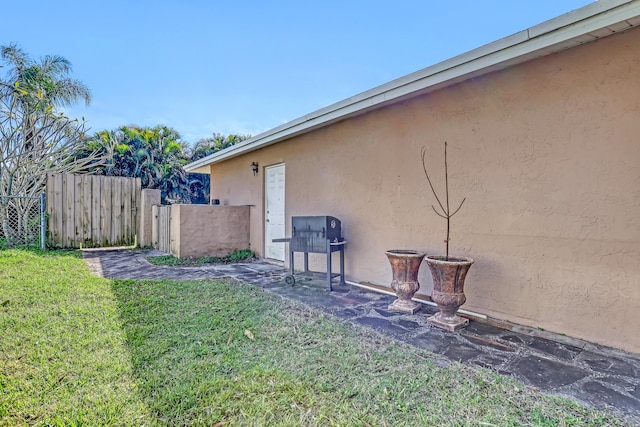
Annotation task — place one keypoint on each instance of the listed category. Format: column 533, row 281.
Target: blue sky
column 247, row 66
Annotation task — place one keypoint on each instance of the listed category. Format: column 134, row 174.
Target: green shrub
column 239, row 255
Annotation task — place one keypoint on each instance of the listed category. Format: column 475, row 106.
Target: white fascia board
column 202, row 169
column 558, row 34
column 577, row 15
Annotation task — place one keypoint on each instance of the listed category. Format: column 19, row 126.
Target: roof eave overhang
column 597, row 20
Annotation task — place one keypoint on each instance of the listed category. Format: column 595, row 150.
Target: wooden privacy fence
column 161, row 228
column 92, row 210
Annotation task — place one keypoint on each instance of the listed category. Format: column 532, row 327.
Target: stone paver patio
column 591, row 374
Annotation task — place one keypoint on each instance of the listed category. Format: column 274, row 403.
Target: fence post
column 43, row 222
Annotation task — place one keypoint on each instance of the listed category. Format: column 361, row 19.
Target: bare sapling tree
column 34, row 142
column 445, row 210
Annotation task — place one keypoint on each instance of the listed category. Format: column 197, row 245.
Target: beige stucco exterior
column 547, row 154
column 208, row 231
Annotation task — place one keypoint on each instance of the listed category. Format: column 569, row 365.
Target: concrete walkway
column 591, row 374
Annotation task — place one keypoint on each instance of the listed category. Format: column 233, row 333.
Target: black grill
column 315, row 234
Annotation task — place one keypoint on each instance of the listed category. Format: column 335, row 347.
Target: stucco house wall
column 548, row 156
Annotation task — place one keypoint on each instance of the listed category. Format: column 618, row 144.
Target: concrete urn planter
column 405, row 265
column 448, row 290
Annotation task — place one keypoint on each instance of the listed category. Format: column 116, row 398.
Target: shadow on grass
column 208, row 352
column 64, row 360
column 199, row 353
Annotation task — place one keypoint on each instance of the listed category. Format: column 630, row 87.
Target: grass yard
column 80, row 350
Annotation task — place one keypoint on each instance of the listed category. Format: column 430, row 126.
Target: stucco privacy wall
column 546, row 153
column 205, row 231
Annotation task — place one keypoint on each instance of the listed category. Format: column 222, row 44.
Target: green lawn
column 80, row 350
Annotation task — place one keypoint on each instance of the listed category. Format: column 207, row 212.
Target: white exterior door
column 274, row 227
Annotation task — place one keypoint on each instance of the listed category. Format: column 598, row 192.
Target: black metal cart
column 315, row 234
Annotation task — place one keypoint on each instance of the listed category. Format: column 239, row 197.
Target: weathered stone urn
column 405, row 265
column 448, row 290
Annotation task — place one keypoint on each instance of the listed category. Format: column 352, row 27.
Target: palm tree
column 200, row 183
column 155, row 155
column 39, row 87
column 35, row 139
column 45, row 83
column 207, row 146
